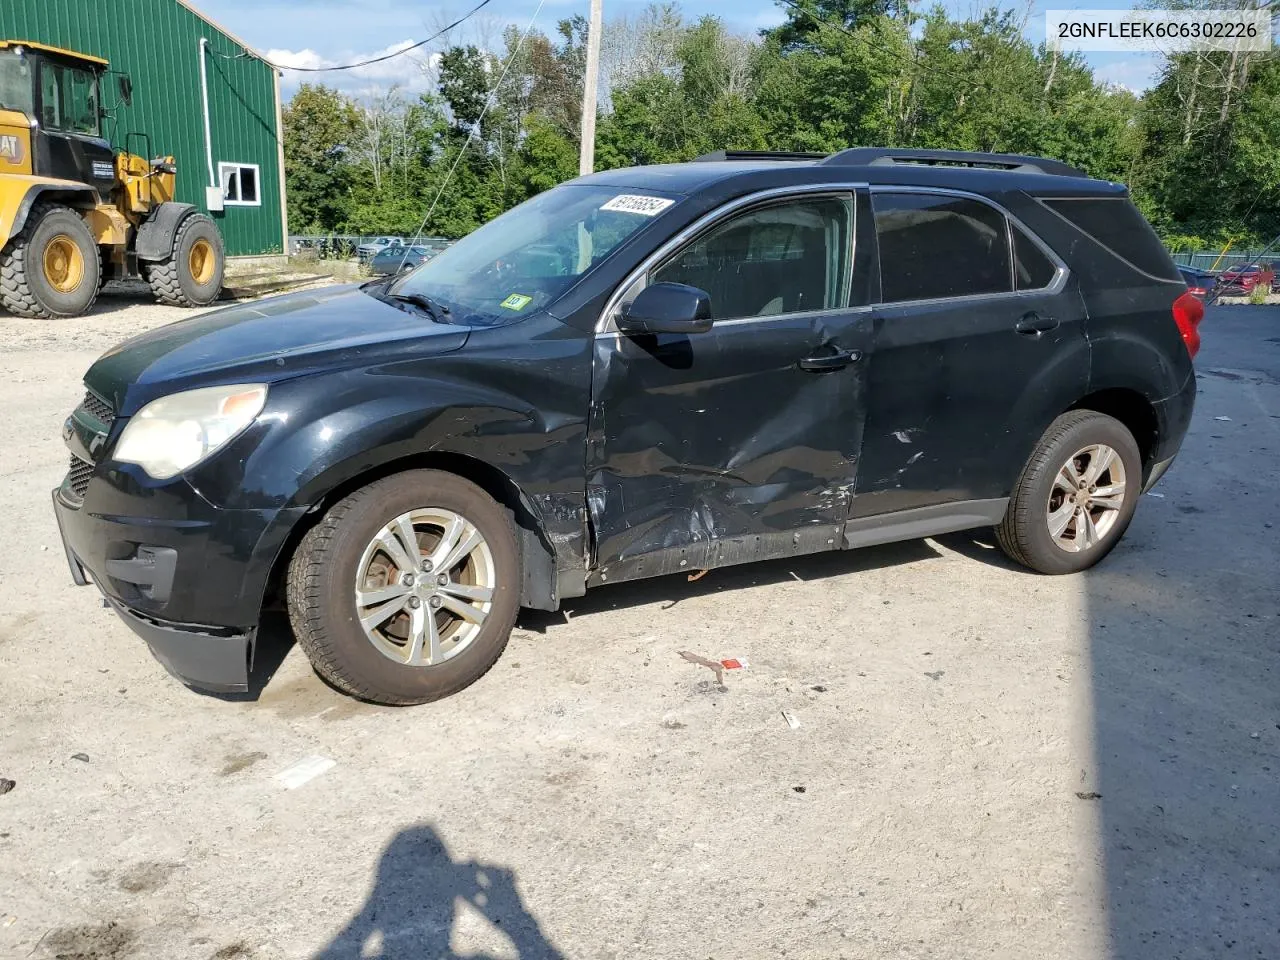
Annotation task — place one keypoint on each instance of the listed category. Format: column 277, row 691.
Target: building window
column 240, row 184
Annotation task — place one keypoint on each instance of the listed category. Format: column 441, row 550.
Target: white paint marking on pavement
column 308, row 768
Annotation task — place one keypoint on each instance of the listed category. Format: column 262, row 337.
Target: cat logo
column 10, row 148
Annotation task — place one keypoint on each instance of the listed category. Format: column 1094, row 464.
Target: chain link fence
column 1217, row 261
column 350, row 246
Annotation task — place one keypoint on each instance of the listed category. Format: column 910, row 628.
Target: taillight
column 1187, row 313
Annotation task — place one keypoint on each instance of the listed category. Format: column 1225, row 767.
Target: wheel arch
column 155, row 234
column 537, row 554
column 1133, row 409
column 16, row 204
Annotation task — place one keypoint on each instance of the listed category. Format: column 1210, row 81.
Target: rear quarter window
column 1116, row 224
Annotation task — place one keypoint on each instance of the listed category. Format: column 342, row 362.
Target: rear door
column 981, row 342
column 739, row 443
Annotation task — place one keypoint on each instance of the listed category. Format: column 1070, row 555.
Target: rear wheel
column 1075, row 496
column 407, row 590
column 191, row 276
column 51, row 267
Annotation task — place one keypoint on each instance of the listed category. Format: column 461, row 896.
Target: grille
column 78, row 476
column 97, row 408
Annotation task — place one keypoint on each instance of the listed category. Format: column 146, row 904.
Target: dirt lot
column 988, row 763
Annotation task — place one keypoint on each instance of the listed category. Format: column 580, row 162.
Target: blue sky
column 324, row 32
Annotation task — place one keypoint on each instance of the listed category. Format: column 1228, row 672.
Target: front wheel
column 51, row 267
column 407, row 590
column 191, row 276
column 1076, row 495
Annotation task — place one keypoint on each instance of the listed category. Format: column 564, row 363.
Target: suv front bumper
column 192, row 588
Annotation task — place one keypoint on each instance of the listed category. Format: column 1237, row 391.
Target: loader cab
column 60, row 93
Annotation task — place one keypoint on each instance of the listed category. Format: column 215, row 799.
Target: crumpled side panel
column 716, row 448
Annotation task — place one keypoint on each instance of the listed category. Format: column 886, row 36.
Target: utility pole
column 587, row 151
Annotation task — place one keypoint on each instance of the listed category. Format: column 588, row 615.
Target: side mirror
column 667, row 308
column 126, row 89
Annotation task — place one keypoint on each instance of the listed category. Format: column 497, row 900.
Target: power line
column 488, row 102
column 364, row 63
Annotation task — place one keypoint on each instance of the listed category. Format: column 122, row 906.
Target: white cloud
column 410, row 71
column 1135, row 76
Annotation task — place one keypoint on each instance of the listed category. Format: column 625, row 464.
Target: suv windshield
column 524, row 259
column 15, row 83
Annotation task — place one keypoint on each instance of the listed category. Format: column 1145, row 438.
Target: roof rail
column 758, row 155
column 887, row 156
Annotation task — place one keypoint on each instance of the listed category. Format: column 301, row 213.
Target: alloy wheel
column 1086, row 498
column 424, row 586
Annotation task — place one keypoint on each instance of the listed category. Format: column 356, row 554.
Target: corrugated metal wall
column 157, row 43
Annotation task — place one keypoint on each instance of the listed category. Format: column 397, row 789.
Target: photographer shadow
column 412, row 909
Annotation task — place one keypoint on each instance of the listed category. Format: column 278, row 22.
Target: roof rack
column 758, row 155
column 887, row 156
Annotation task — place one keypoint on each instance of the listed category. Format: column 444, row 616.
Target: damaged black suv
column 644, row 371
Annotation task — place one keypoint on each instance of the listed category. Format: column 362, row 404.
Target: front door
column 981, row 342
column 740, row 443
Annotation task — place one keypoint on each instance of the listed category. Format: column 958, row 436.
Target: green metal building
column 199, row 94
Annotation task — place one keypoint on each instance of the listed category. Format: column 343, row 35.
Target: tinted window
column 939, row 246
column 1032, row 268
column 780, row 259
column 70, row 98
column 1116, row 224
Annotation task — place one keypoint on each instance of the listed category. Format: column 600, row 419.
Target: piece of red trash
column 734, row 663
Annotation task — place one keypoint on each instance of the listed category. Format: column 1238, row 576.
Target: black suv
column 644, row 371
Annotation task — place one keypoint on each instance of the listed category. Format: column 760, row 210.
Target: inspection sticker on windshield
column 635, row 203
column 517, row 301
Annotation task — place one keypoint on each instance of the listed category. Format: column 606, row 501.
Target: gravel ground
column 987, row 764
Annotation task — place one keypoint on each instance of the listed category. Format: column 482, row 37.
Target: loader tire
column 191, row 276
column 50, row 268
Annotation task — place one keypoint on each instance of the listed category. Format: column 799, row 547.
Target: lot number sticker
column 634, row 203
column 517, row 301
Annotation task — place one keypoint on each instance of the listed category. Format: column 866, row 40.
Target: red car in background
column 1240, row 281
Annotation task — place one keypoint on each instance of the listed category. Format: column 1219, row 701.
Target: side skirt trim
column 930, row 521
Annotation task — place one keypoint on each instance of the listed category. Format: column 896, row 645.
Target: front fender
column 19, row 193
column 156, row 233
column 320, row 435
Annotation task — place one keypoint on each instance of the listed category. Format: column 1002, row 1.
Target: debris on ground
column 734, row 663
column 306, row 769
column 936, row 674
column 1088, row 796
column 715, row 666
column 82, row 757
column 1158, row 496
column 1223, row 419
column 697, row 576
column 792, row 721
column 671, row 722
column 6, row 786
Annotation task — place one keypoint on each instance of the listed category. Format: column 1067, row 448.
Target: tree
column 320, row 125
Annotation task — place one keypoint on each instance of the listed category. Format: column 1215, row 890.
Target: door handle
column 835, row 361
column 1034, row 324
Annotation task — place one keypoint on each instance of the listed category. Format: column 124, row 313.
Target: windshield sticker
column 517, row 301
column 634, row 203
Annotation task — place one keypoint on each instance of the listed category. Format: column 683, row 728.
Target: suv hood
column 266, row 341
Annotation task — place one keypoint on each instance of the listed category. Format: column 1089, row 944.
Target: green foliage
column 1200, row 150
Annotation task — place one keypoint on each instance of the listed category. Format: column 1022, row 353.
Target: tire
column 1040, row 497
column 323, row 606
column 51, row 267
column 191, row 276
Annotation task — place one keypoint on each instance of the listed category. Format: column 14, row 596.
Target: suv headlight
column 176, row 432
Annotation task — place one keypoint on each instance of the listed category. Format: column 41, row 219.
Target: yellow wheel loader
column 74, row 212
